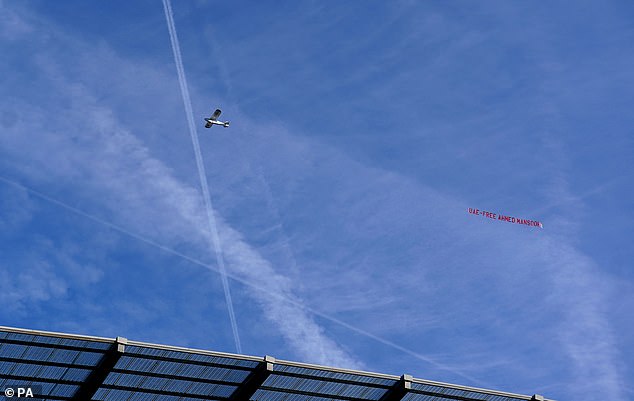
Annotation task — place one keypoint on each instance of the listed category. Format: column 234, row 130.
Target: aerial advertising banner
column 508, row 219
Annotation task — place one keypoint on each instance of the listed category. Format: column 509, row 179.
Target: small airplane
column 214, row 120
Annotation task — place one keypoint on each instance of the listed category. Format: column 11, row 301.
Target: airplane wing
column 215, row 115
column 208, row 125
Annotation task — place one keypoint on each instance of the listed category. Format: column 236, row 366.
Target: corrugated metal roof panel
column 62, row 364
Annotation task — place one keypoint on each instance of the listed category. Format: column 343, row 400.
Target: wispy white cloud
column 31, row 284
column 582, row 291
column 111, row 167
column 41, row 272
column 388, row 214
column 385, row 253
column 152, row 182
column 384, row 213
column 585, row 331
column 379, row 211
column 12, row 26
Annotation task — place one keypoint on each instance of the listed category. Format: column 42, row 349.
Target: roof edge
column 259, row 359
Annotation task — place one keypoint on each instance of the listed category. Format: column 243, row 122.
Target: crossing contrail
column 254, row 285
column 213, row 229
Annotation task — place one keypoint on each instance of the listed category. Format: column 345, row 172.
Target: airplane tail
column 226, row 124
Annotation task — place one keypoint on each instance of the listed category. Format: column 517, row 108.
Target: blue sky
column 361, row 132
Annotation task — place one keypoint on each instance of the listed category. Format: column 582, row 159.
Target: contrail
column 212, row 223
column 248, row 283
column 213, row 230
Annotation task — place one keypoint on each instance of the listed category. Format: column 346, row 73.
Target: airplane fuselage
column 211, row 122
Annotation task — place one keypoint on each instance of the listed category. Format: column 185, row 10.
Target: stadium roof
column 73, row 367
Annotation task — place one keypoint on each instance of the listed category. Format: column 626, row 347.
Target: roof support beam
column 399, row 389
column 96, row 378
column 254, row 381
